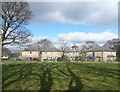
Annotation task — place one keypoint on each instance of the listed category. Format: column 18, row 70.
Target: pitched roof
column 48, row 49
column 43, row 49
column 95, row 49
column 99, row 48
column 105, row 48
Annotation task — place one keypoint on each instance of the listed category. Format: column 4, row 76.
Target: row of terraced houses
column 52, row 53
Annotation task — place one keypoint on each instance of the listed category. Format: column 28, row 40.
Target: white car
column 4, row 57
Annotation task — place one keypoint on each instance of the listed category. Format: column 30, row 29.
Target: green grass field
column 60, row 76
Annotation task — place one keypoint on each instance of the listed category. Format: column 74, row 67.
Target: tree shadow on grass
column 75, row 83
column 26, row 70
column 46, row 81
column 105, row 72
column 19, row 72
column 45, row 78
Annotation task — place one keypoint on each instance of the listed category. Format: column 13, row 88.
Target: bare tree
column 15, row 16
column 112, row 44
column 64, row 47
column 90, row 44
column 118, row 52
column 43, row 45
column 6, row 52
column 87, row 46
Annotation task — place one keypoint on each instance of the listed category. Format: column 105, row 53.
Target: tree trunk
column 0, row 49
column 102, row 56
column 118, row 54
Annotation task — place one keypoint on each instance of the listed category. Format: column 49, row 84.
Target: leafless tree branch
column 15, row 15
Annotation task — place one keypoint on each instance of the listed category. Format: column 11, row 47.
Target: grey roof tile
column 99, row 48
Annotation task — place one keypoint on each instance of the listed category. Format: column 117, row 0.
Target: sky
column 74, row 21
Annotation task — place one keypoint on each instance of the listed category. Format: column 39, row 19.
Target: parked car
column 4, row 57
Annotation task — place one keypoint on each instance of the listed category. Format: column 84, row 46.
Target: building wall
column 26, row 54
column 102, row 54
column 72, row 55
column 105, row 54
column 48, row 55
column 95, row 53
column 51, row 55
column 45, row 55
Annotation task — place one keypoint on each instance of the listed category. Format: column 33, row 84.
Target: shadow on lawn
column 44, row 76
column 14, row 76
column 105, row 72
column 46, row 80
column 24, row 71
column 75, row 83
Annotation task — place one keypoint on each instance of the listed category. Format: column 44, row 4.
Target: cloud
column 35, row 39
column 75, row 12
column 82, row 37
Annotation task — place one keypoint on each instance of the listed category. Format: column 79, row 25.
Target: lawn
column 60, row 76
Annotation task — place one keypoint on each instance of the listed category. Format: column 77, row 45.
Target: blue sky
column 56, row 28
column 53, row 29
column 77, row 22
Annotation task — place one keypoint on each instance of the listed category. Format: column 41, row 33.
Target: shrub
column 45, row 59
column 63, row 58
column 99, row 60
column 77, row 58
column 117, row 60
column 109, row 60
column 36, row 59
column 59, row 59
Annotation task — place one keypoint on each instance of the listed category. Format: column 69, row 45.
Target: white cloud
column 83, row 37
column 35, row 39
